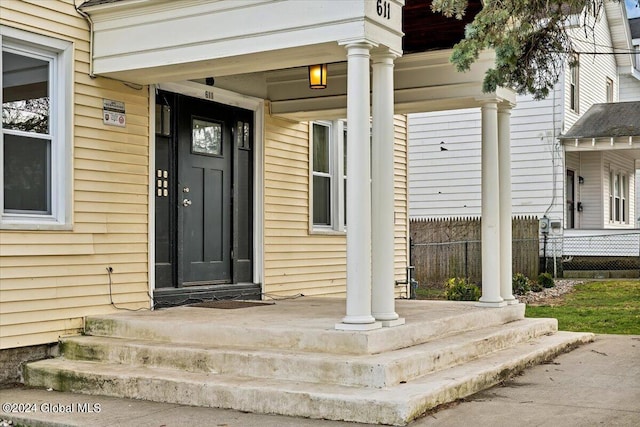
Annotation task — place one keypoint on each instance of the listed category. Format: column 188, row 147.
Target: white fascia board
column 603, row 144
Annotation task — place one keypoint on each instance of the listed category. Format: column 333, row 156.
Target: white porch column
column 490, row 207
column 382, row 197
column 504, row 161
column 358, row 192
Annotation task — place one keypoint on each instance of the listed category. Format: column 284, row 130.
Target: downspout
column 553, row 154
column 90, row 22
column 555, row 146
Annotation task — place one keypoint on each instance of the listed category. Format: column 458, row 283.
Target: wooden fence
column 444, row 248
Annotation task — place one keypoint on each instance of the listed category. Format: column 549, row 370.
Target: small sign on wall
column 113, row 113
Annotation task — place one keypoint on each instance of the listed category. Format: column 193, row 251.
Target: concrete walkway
column 596, row 384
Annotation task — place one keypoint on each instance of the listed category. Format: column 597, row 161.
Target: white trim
column 60, row 55
column 223, row 96
column 152, row 195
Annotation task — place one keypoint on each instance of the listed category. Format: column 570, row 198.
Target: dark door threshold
column 171, row 297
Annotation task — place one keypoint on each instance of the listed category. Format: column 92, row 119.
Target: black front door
column 204, row 191
column 570, row 198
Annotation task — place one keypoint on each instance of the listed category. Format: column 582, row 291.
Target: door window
column 206, row 137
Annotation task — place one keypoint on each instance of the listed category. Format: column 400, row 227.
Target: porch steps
column 377, row 370
column 297, row 364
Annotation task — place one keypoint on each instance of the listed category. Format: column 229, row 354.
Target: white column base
column 391, row 323
column 488, row 304
column 358, row 326
column 512, row 301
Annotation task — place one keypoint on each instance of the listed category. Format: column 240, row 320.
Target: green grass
column 607, row 307
column 430, row 293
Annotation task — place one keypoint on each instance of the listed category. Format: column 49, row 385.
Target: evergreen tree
column 530, row 38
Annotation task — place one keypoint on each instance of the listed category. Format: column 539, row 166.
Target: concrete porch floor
column 285, row 357
column 303, row 323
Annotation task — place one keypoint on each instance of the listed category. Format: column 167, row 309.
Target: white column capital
column 352, row 44
column 380, row 56
column 506, row 106
column 489, row 101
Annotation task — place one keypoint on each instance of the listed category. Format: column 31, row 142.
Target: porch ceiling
column 422, row 82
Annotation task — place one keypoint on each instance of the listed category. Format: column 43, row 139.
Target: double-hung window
column 328, row 176
column 35, row 135
column 618, row 193
column 609, row 90
column 574, row 99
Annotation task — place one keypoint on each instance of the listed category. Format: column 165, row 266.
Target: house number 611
column 384, row 9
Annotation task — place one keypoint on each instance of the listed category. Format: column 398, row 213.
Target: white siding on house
column 590, row 193
column 629, row 88
column 447, row 183
column 593, row 69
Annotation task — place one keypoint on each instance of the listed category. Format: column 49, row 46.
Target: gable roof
column 619, row 119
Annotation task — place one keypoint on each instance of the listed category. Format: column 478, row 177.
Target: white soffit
column 422, row 82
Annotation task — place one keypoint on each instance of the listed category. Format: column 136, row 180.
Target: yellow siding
column 401, row 202
column 50, row 280
column 297, row 261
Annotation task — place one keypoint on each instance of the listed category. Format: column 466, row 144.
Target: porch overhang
column 262, row 49
column 153, row 41
column 610, row 126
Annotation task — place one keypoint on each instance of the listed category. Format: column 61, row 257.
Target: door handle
column 186, row 202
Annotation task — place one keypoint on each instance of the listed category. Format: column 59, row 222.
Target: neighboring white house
column 567, row 185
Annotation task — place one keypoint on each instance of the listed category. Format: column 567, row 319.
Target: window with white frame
column 609, row 89
column 35, row 131
column 573, row 85
column 328, row 187
column 618, row 195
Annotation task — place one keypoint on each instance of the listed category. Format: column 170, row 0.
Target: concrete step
column 379, row 370
column 274, row 326
column 395, row 405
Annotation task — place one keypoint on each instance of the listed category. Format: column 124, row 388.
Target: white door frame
column 226, row 97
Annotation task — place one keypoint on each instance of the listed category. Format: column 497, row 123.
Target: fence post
column 466, row 258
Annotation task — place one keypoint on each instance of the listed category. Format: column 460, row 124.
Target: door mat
column 230, row 304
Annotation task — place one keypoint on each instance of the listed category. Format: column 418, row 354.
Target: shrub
column 459, row 289
column 546, row 280
column 536, row 287
column 520, row 284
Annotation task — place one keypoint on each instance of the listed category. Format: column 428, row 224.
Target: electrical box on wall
column 556, row 226
column 543, row 225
